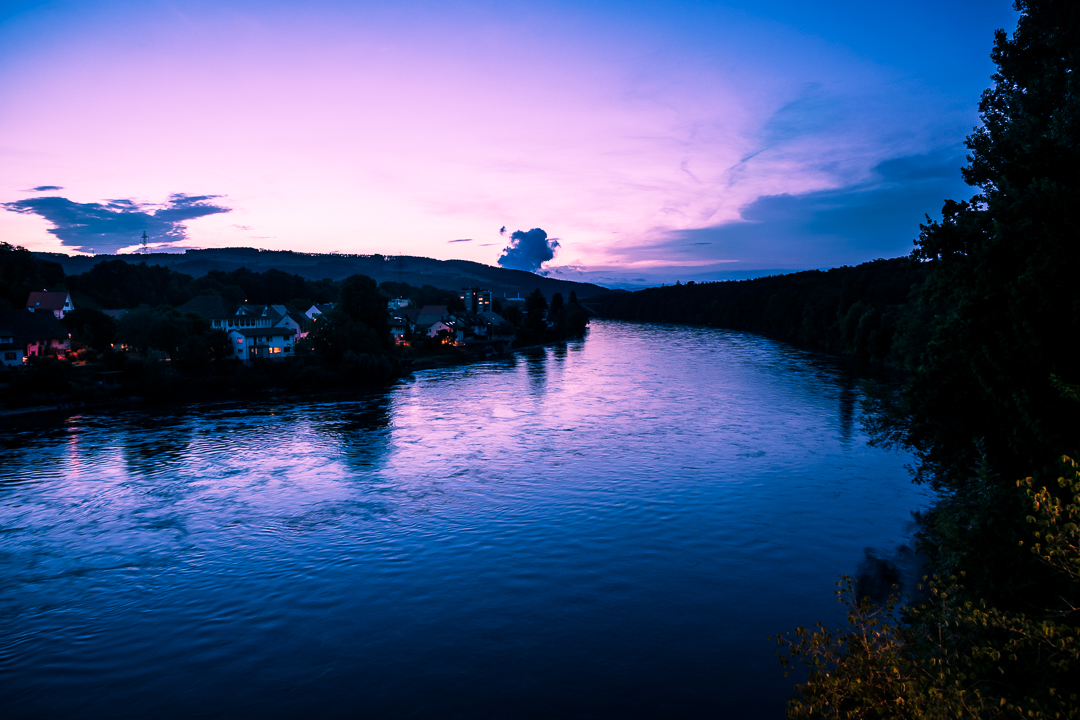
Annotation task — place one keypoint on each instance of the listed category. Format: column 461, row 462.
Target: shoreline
column 10, row 416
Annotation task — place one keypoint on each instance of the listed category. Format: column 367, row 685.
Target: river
column 605, row 529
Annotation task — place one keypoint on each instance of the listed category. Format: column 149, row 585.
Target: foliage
column 163, row 328
column 421, row 296
column 354, row 337
column 361, row 302
column 21, row 273
column 272, row 287
column 982, row 406
column 858, row 311
column 90, row 328
column 567, row 320
column 535, row 311
column 119, row 284
column 334, row 334
column 955, row 656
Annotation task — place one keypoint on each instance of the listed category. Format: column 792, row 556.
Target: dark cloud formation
column 826, row 228
column 45, row 188
column 108, row 226
column 528, row 250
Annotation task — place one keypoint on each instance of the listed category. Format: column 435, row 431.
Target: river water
column 605, row 529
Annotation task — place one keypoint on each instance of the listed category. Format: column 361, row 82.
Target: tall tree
column 982, row 408
column 21, row 273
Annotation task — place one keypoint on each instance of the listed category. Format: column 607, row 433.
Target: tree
column 980, row 407
column 90, row 328
column 954, row 655
column 164, row 328
column 535, row 311
column 21, row 273
column 360, row 301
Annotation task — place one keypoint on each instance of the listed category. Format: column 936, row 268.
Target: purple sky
column 650, row 140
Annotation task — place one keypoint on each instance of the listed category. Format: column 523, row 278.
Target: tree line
column 869, row 311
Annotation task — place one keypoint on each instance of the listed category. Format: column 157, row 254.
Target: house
column 58, row 303
column 32, row 333
column 289, row 319
column 400, row 327
column 224, row 315
column 11, row 353
column 500, row 332
column 398, row 304
column 262, row 343
column 429, row 315
column 318, row 309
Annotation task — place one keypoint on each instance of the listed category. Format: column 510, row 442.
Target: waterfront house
column 400, row 327
column 297, row 322
column 224, row 315
column 11, row 353
column 500, row 332
column 428, row 316
column 33, row 333
column 261, row 343
column 58, row 303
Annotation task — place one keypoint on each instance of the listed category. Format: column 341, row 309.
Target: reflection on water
column 608, row 528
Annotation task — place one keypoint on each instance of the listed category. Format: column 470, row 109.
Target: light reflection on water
column 604, row 529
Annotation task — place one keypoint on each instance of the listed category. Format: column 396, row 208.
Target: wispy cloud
column 877, row 217
column 45, row 188
column 114, row 224
column 461, row 240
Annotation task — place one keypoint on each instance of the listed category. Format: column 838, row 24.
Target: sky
column 647, row 141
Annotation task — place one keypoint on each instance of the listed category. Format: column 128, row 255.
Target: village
column 265, row 332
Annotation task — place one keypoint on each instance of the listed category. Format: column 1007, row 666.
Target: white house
column 11, row 353
column 262, row 343
column 289, row 319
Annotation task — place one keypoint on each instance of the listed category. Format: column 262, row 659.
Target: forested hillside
column 869, row 311
column 316, row 267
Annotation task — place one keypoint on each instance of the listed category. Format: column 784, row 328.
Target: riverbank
column 211, row 388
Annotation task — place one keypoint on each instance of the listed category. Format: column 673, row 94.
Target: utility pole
column 144, row 239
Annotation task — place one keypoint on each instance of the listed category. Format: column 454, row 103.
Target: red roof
column 47, row 300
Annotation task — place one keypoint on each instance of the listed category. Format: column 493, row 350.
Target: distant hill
column 418, row 271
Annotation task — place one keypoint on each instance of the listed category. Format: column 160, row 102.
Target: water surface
column 609, row 528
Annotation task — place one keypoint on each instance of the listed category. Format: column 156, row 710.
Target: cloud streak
column 878, row 217
column 115, row 224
